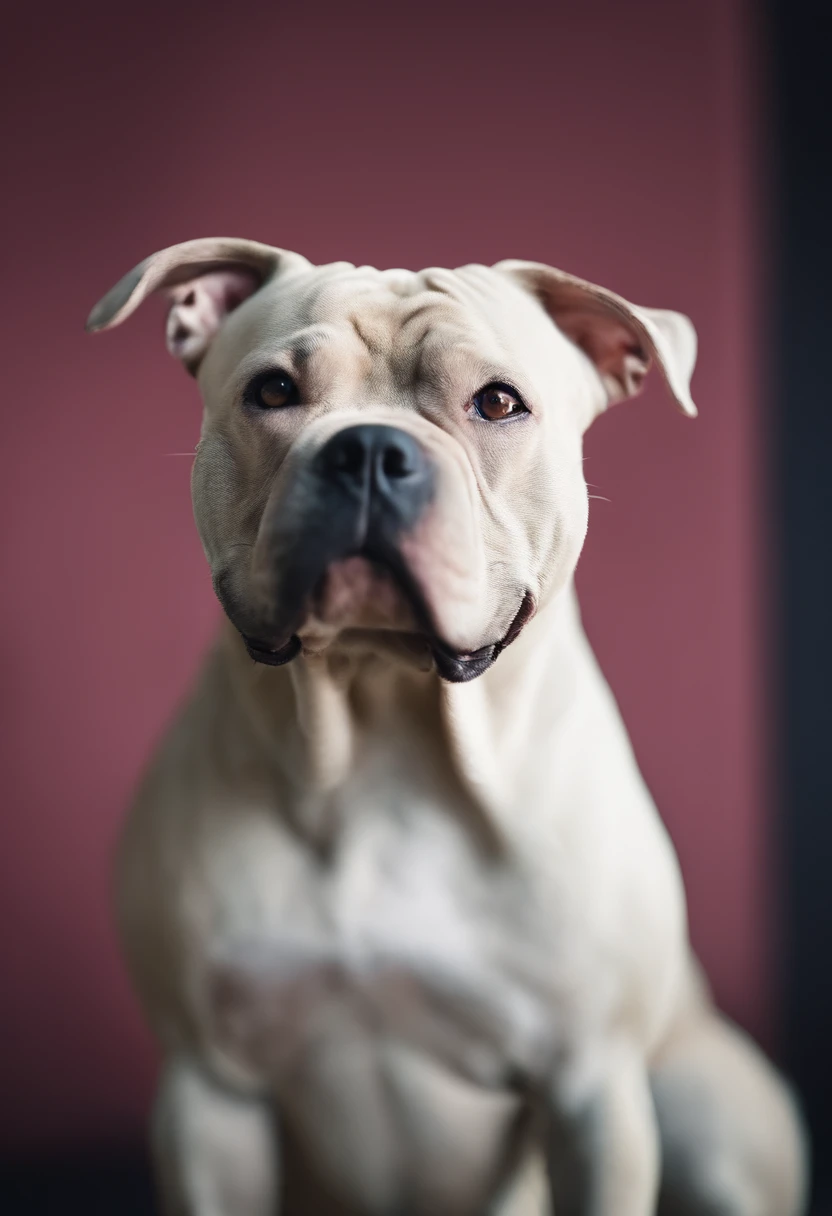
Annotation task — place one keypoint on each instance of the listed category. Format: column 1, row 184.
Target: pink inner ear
column 200, row 305
column 611, row 345
column 226, row 289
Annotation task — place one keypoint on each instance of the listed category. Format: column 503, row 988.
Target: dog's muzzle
column 367, row 488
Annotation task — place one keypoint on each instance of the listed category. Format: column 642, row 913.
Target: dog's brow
column 292, row 355
column 302, row 350
column 303, row 345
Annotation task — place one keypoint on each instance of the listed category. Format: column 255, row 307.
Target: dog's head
column 392, row 458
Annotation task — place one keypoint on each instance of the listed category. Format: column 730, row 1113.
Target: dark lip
column 451, row 665
column 273, row 658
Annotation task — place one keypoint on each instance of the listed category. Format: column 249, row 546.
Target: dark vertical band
column 801, row 310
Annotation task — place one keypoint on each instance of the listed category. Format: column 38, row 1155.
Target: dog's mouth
column 368, row 595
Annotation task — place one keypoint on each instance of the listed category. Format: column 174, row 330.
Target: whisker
column 180, row 453
column 600, row 497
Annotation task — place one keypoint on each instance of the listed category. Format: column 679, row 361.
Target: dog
column 395, row 899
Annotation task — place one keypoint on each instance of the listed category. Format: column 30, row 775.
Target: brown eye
column 497, row 402
column 276, row 391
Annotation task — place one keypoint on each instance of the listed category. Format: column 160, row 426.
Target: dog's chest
column 406, row 937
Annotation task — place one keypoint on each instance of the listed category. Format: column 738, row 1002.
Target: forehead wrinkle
column 368, row 333
column 426, row 301
column 431, row 322
column 466, row 341
column 464, row 301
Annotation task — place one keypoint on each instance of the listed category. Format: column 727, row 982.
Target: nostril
column 349, row 456
column 395, row 462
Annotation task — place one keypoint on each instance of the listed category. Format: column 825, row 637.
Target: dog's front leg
column 215, row 1153
column 602, row 1143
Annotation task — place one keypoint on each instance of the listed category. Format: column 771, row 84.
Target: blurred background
column 677, row 153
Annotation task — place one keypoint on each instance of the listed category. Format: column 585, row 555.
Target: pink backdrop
column 609, row 139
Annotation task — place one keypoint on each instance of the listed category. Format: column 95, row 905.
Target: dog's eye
column 497, row 402
column 275, row 391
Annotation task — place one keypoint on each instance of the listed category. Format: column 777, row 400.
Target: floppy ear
column 205, row 280
column 620, row 338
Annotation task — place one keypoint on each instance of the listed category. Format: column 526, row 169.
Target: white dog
column 397, row 904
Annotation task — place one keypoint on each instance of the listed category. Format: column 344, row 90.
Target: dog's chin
column 362, row 606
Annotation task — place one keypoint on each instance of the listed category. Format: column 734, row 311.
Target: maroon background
column 609, row 139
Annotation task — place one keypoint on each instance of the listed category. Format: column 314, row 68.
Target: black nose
column 383, row 467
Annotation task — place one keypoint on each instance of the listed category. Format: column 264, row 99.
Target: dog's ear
column 620, row 338
column 204, row 280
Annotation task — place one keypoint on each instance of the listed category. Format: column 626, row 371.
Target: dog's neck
column 319, row 716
